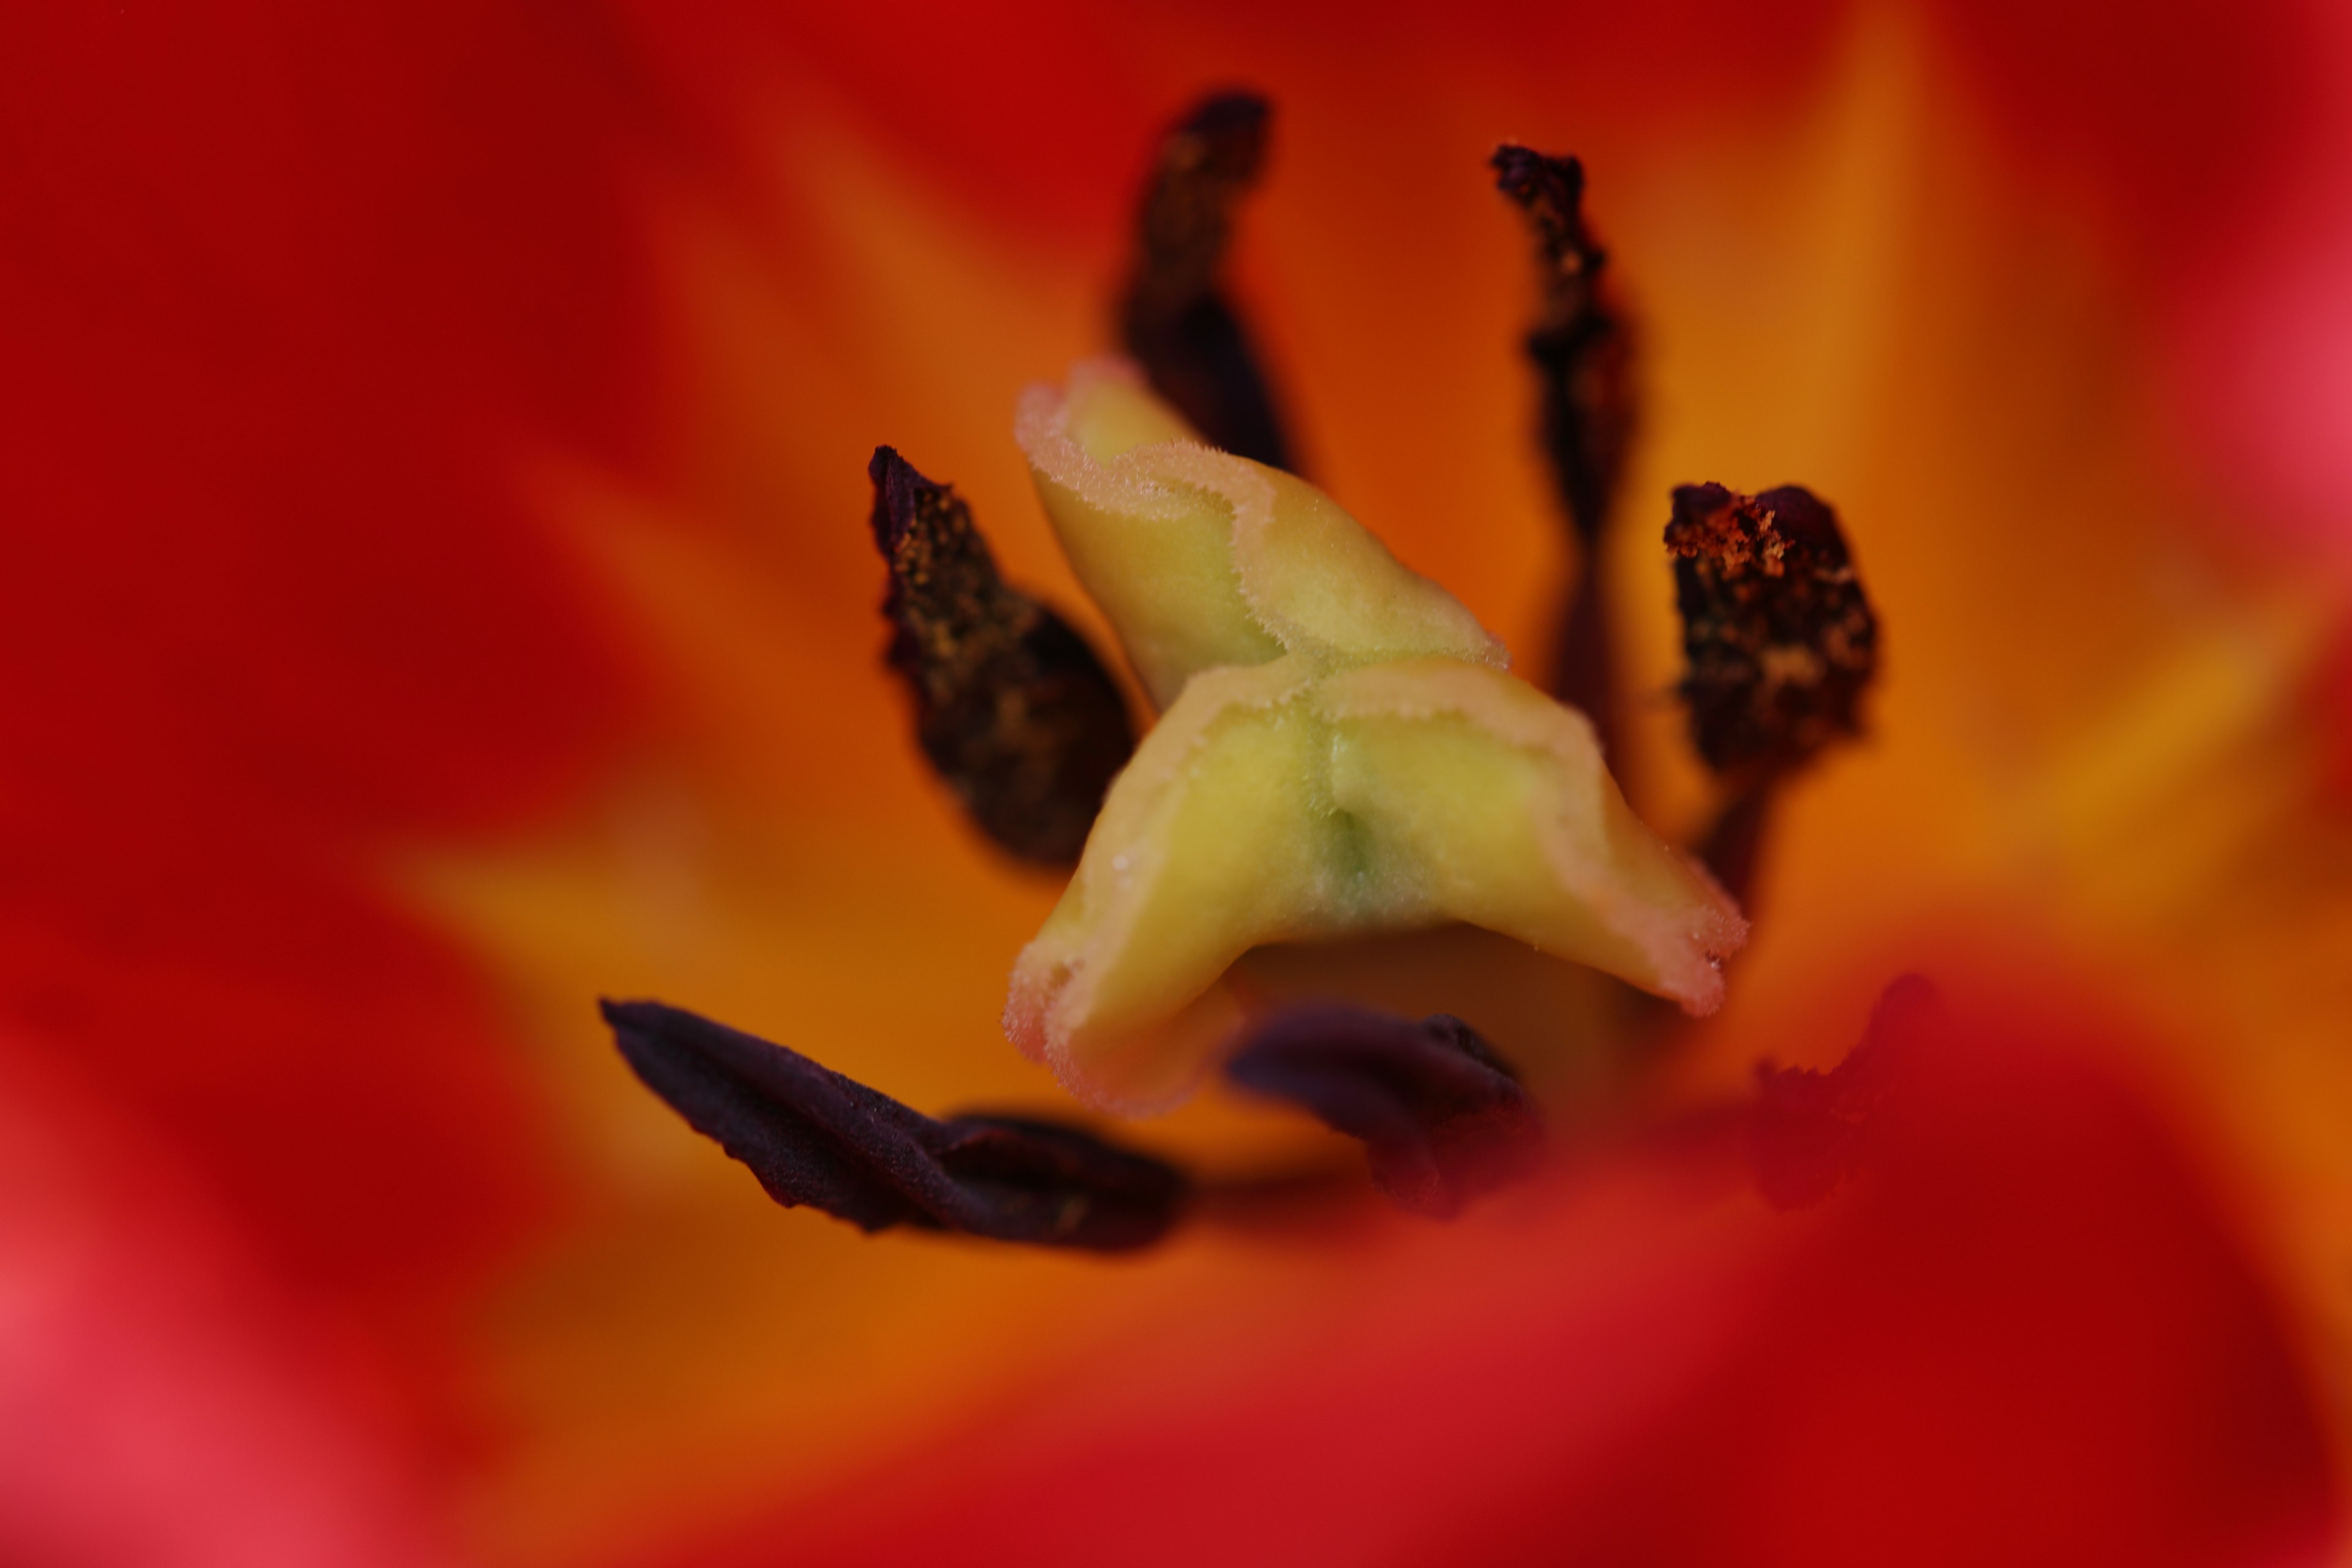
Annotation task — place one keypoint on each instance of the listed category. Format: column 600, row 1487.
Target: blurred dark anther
column 1174, row 318
column 814, row 1137
column 1779, row 638
column 1583, row 359
column 1810, row 1131
column 1012, row 707
column 1442, row 1117
column 1780, row 644
column 1578, row 341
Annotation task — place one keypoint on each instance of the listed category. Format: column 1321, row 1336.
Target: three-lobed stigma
column 1341, row 757
column 1342, row 754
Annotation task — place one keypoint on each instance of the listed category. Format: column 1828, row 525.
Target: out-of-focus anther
column 1582, row 355
column 813, row 1137
column 1174, row 318
column 1810, row 1131
column 1014, row 709
column 1442, row 1117
column 1780, row 643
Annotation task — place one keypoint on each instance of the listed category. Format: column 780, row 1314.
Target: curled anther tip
column 900, row 494
column 1577, row 342
column 813, row 1137
column 1550, row 190
column 1780, row 638
column 1443, row 1118
column 1583, row 359
column 1014, row 709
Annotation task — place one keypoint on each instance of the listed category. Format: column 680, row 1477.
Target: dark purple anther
column 1442, row 1117
column 814, row 1137
column 1811, row 1131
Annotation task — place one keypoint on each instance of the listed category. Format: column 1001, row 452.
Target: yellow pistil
column 1342, row 754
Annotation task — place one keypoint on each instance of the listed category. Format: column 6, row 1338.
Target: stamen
column 1442, row 1117
column 1174, row 320
column 1583, row 359
column 1012, row 707
column 813, row 1137
column 1782, row 643
column 1780, row 638
column 1809, row 1131
column 1577, row 342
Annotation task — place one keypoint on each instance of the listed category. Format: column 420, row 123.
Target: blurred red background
column 435, row 594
